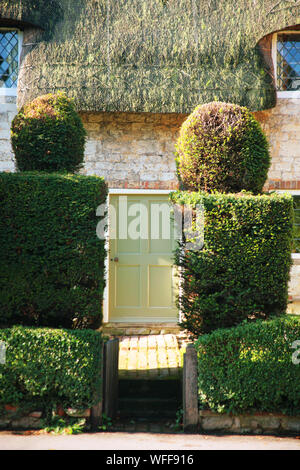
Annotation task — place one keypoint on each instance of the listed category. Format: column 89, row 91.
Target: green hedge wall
column 242, row 271
column 250, row 367
column 51, row 260
column 46, row 367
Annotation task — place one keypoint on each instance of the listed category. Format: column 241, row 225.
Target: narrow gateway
column 142, row 279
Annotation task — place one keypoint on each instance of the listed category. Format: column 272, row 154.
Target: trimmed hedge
column 51, row 260
column 250, row 368
column 242, row 271
column 46, row 367
column 48, row 135
column 222, row 147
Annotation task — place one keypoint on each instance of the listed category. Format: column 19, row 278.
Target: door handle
column 116, row 259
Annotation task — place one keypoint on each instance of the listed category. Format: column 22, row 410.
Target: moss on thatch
column 156, row 55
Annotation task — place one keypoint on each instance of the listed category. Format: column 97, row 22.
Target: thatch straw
column 151, row 55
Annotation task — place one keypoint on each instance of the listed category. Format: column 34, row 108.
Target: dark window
column 288, row 62
column 9, row 58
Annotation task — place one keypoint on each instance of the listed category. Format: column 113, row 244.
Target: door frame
column 121, row 192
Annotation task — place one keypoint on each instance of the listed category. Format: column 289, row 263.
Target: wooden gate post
column 111, row 378
column 190, row 390
column 110, row 381
column 96, row 410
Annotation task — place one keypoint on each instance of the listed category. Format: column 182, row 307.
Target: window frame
column 282, row 94
column 13, row 91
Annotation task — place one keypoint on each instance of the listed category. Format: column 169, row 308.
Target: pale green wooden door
column 142, row 278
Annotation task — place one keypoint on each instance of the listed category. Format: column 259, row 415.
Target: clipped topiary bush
column 48, row 135
column 251, row 367
column 222, row 147
column 242, row 270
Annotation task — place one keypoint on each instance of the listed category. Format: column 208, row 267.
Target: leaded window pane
column 9, row 54
column 288, row 62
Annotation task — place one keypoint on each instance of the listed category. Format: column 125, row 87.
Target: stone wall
column 282, row 127
column 256, row 423
column 13, row 417
column 136, row 150
column 8, row 110
column 132, row 150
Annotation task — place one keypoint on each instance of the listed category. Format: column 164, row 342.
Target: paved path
column 145, row 441
column 150, row 356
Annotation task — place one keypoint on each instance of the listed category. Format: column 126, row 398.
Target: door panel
column 127, row 279
column 142, row 278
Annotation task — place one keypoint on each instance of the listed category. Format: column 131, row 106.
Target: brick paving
column 151, row 357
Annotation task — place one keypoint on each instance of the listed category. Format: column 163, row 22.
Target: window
column 288, row 62
column 286, row 58
column 9, row 58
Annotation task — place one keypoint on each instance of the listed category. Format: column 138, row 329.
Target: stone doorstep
column 140, row 329
column 256, row 423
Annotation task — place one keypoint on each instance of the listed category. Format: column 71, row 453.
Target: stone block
column 35, row 414
column 4, row 134
column 11, row 115
column 9, row 107
column 268, row 423
column 7, row 166
column 216, row 423
column 78, row 413
column 4, row 423
column 5, row 126
column 291, row 423
column 26, row 422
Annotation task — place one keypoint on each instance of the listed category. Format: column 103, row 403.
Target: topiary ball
column 221, row 147
column 48, row 135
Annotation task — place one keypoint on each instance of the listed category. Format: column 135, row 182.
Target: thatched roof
column 40, row 13
column 151, row 55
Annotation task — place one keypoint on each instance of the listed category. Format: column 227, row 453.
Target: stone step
column 148, row 408
column 150, row 389
column 141, row 329
column 149, row 399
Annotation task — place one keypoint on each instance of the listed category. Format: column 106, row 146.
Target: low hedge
column 242, row 270
column 250, row 367
column 46, row 367
column 51, row 260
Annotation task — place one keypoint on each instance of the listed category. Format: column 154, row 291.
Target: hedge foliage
column 242, row 270
column 222, row 147
column 51, row 260
column 250, row 367
column 46, row 367
column 48, row 135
